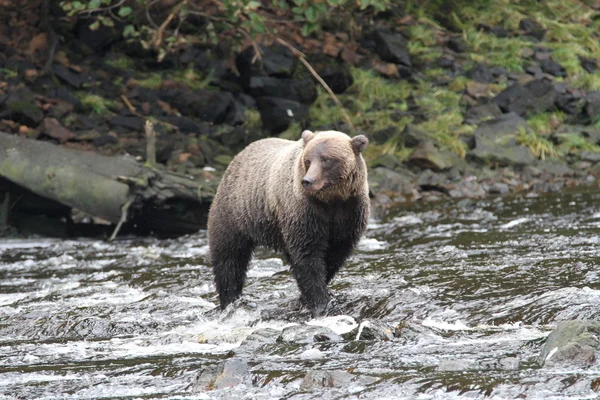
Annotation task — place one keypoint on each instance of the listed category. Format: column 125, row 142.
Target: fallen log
column 144, row 198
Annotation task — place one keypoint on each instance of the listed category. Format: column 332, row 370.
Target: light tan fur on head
column 333, row 160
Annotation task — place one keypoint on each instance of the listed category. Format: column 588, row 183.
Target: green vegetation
column 540, row 146
column 545, row 123
column 97, row 104
column 9, row 73
column 573, row 143
column 121, row 61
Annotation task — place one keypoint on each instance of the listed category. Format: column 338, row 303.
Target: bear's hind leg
column 230, row 254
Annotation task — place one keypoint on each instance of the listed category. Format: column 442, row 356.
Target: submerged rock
column 326, row 379
column 571, row 343
column 371, row 329
column 229, row 373
column 308, row 334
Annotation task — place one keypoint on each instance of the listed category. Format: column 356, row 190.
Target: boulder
column 277, row 113
column 532, row 28
column 496, row 141
column 128, row 122
column 391, row 47
column 482, row 113
column 19, row 106
column 337, row 76
column 371, row 329
column 383, row 135
column 275, row 60
column 383, row 179
column 68, row 76
column 412, row 136
column 303, row 91
column 52, row 128
column 527, row 99
column 428, row 156
column 553, row 68
column 481, row 73
column 592, row 106
column 207, row 105
column 589, row 64
column 571, row 343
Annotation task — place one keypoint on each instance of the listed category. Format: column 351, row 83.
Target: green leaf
column 124, row 11
column 106, row 2
column 95, row 25
column 129, row 30
column 299, row 2
column 77, row 5
column 94, row 4
column 311, row 14
column 67, row 6
column 107, row 22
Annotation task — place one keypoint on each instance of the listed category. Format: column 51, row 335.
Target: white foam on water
column 340, row 324
column 370, row 244
column 514, row 223
column 265, row 268
column 408, row 220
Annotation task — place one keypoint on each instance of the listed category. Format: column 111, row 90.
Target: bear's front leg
column 310, row 272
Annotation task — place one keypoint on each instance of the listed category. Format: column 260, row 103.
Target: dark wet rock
column 532, row 28
column 308, row 334
column 383, row 135
column 104, row 140
column 590, row 156
column 591, row 134
column 412, row 136
column 385, row 160
column 384, row 179
column 481, row 73
column 20, row 107
column 570, row 103
column 589, row 64
column 303, row 91
column 233, row 137
column 571, row 343
column 482, row 113
column 99, row 39
column 457, row 44
column 337, row 76
column 371, row 329
column 52, row 128
column 274, row 61
column 429, row 180
column 496, row 141
column 226, row 374
column 499, row 188
column 531, row 98
column 592, row 106
column 277, row 114
column 315, row 379
column 236, row 115
column 446, row 62
column 494, row 30
column 535, row 69
column 553, row 68
column 457, row 365
column 65, row 95
column 128, row 122
column 428, row 156
column 391, row 47
column 185, row 124
column 206, row 105
column 69, row 76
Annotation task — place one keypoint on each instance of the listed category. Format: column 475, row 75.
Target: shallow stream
column 471, row 290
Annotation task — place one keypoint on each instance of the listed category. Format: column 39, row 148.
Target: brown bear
column 307, row 199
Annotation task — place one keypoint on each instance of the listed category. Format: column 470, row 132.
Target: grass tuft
column 97, row 104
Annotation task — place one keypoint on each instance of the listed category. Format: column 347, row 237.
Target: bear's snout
column 307, row 182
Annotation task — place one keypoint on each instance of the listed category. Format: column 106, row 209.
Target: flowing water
column 471, row 289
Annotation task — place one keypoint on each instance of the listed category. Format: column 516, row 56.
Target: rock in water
column 571, row 343
column 226, row 374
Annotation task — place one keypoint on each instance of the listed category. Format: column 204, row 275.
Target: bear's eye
column 325, row 160
column 307, row 164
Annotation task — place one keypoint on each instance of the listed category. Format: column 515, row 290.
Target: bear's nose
column 306, row 182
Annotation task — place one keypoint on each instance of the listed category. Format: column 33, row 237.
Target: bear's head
column 331, row 164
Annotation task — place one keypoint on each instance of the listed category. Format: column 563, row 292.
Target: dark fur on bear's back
column 307, row 199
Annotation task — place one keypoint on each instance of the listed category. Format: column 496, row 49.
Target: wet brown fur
column 261, row 202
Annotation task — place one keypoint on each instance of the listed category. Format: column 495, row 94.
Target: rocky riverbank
column 488, row 103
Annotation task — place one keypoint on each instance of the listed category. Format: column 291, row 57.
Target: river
column 470, row 288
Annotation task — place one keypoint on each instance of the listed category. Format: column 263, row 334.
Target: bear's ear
column 359, row 143
column 307, row 136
